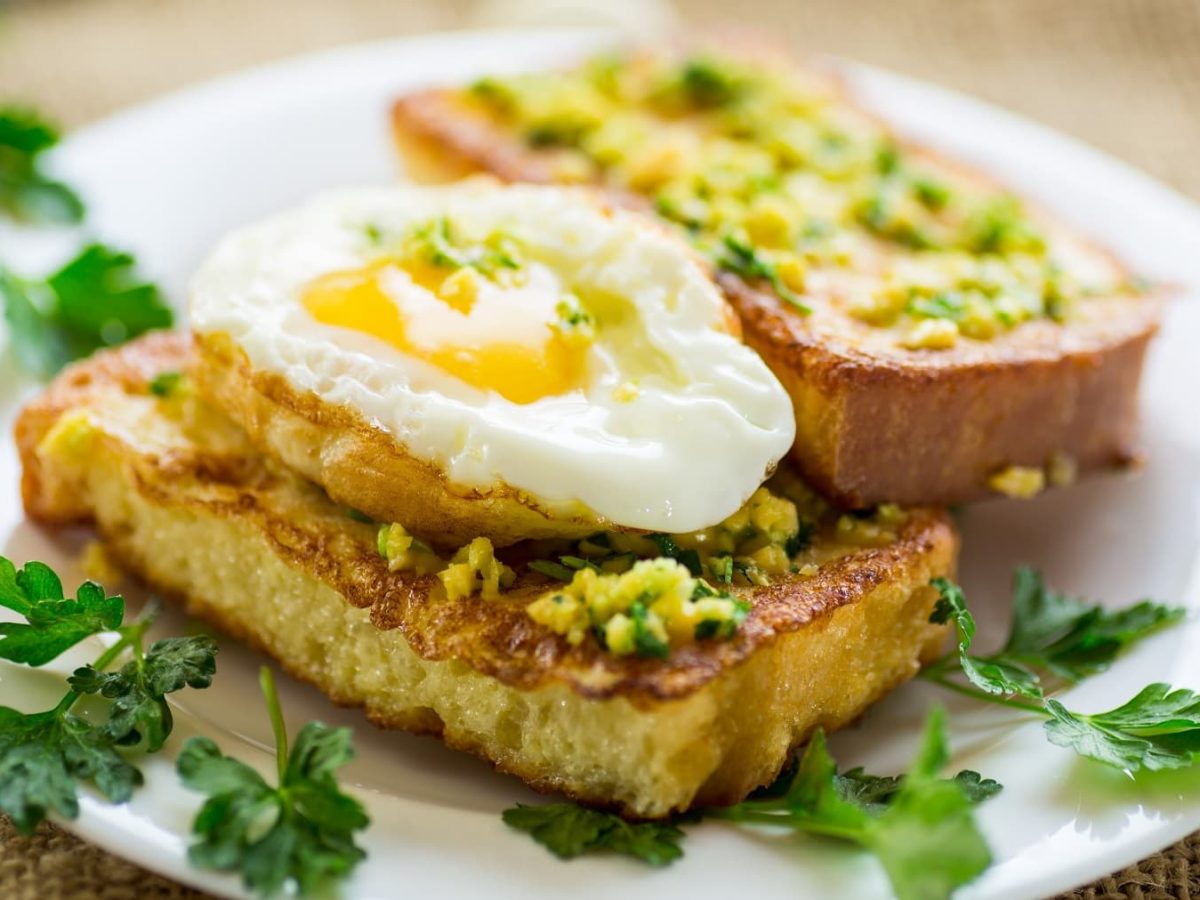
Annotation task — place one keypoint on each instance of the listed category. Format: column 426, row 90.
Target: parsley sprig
column 96, row 300
column 300, row 832
column 26, row 193
column 45, row 756
column 1056, row 640
column 919, row 825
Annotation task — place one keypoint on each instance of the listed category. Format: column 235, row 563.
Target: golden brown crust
column 181, row 497
column 496, row 639
column 128, row 371
column 362, row 465
column 872, row 429
column 878, row 422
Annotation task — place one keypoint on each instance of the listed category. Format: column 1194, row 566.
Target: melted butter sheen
column 465, row 339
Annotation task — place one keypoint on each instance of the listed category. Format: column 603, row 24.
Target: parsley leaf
column 1059, row 637
column 1157, row 729
column 994, row 676
column 568, row 831
column 920, row 826
column 138, row 689
column 44, row 755
column 1052, row 635
column 1069, row 638
column 54, row 624
column 300, row 832
column 877, row 791
column 976, row 787
column 94, row 301
column 26, row 193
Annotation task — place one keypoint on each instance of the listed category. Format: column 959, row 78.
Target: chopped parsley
column 438, row 244
column 26, row 193
column 690, row 559
column 94, row 301
column 45, row 756
column 298, row 834
column 646, row 643
column 742, row 259
column 164, row 384
column 709, row 83
column 1000, row 226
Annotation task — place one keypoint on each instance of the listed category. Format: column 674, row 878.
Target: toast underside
column 182, row 500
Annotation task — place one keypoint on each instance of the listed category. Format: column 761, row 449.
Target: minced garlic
column 71, row 436
column 654, row 606
column 731, row 150
column 932, row 334
column 1021, row 482
column 405, row 553
column 475, row 569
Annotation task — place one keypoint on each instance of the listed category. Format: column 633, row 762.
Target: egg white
column 706, row 425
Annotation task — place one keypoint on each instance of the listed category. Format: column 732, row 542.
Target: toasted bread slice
column 182, row 499
column 883, row 413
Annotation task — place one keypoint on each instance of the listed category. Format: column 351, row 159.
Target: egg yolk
column 493, row 338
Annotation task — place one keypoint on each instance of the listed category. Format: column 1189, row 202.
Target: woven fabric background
column 1123, row 75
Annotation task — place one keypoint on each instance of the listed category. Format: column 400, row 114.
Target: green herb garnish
column 26, row 193
column 1157, row 729
column 44, row 756
column 94, row 301
column 708, row 83
column 689, row 559
column 164, row 384
column 441, row 247
column 1056, row 640
column 568, row 831
column 920, row 825
column 741, row 258
column 299, row 833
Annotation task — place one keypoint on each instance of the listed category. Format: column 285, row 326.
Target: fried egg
column 518, row 341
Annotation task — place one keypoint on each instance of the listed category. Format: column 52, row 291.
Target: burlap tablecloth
column 1121, row 74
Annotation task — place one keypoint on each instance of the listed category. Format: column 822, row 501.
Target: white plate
column 166, row 179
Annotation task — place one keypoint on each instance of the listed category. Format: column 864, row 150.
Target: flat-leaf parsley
column 44, row 756
column 299, row 832
column 1057, row 640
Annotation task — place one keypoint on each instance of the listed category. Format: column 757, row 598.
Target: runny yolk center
column 492, row 338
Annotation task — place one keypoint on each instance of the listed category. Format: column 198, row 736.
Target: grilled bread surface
column 183, row 500
column 877, row 421
column 362, row 464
